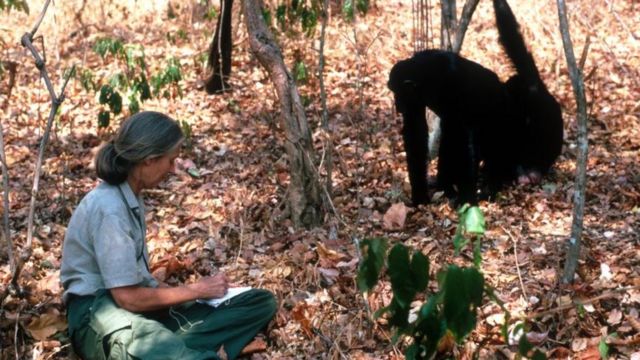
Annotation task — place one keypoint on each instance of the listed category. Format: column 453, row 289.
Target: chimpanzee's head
column 402, row 84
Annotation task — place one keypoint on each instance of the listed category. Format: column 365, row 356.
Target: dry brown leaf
column 395, row 217
column 299, row 314
column 256, row 345
column 47, row 324
column 615, row 316
column 592, row 353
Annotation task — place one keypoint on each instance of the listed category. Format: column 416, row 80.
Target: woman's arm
column 140, row 299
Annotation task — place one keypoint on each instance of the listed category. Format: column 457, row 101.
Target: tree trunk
column 448, row 24
column 573, row 249
column 220, row 52
column 450, row 28
column 305, row 201
column 465, row 18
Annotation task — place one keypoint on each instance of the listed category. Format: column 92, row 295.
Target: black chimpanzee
column 514, row 129
column 473, row 107
column 535, row 109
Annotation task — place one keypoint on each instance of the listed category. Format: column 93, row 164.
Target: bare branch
column 56, row 101
column 573, row 250
column 40, row 18
column 6, row 232
column 467, row 11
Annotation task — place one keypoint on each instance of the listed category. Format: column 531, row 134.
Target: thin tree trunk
column 573, row 250
column 6, row 231
column 448, row 24
column 323, row 100
column 465, row 18
column 220, row 51
column 305, row 200
column 450, row 28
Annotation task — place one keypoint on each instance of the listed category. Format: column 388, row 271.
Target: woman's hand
column 211, row 286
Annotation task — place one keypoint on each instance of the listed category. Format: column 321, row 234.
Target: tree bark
column 450, row 27
column 220, row 52
column 573, row 249
column 323, row 100
column 465, row 18
column 448, row 24
column 305, row 201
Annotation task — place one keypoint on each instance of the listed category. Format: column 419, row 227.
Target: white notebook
column 231, row 292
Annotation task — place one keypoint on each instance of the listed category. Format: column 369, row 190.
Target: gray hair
column 145, row 135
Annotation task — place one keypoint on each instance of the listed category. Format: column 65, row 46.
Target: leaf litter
column 224, row 210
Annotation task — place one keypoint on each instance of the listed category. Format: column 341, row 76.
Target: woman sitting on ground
column 115, row 308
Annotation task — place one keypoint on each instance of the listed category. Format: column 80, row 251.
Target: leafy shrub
column 449, row 312
column 129, row 87
column 19, row 5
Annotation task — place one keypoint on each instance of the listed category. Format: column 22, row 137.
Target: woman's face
column 153, row 171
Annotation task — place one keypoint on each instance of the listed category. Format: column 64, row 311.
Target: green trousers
column 99, row 329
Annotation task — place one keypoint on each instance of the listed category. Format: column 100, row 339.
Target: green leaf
column 362, row 6
column 115, row 103
column 524, row 346
column 430, row 325
column 399, row 314
column 105, row 46
column 134, row 105
column 474, row 282
column 19, row 5
column 309, row 21
column 86, row 79
column 281, row 16
column 400, row 275
column 118, row 81
column 347, row 10
column 412, row 352
column 300, row 72
column 419, row 271
column 538, row 355
column 381, row 312
column 193, row 172
column 266, row 16
column 103, row 119
column 105, row 94
column 372, row 262
column 211, row 14
column 603, row 348
column 474, row 221
column 463, row 290
column 172, row 73
column 144, row 90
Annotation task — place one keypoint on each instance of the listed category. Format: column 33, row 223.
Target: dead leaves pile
column 224, row 210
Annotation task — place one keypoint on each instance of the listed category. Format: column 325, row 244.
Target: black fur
column 535, row 109
column 514, row 129
column 472, row 104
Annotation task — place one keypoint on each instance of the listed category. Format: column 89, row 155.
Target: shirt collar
column 129, row 196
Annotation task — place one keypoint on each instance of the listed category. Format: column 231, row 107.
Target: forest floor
column 223, row 210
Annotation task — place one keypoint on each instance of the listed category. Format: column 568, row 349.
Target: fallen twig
column 573, row 303
column 515, row 255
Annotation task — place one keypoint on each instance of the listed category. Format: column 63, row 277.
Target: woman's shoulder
column 104, row 198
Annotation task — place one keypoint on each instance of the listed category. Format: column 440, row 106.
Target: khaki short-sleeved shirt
column 104, row 245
